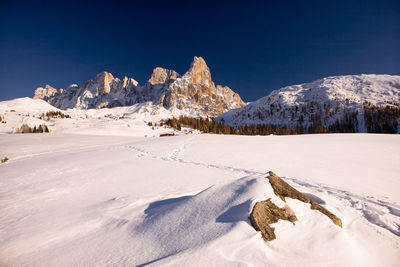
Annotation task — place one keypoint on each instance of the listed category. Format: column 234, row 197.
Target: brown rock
column 161, row 76
column 104, row 79
column 102, row 105
column 199, row 73
column 265, row 213
column 283, row 190
column 196, row 90
column 46, row 92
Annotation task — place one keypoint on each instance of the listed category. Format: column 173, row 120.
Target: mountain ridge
column 193, row 93
column 326, row 102
column 346, row 103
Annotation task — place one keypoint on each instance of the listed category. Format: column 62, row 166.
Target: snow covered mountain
column 194, row 93
column 339, row 101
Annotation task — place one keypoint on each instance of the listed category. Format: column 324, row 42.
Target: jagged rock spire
column 104, row 79
column 193, row 94
column 161, row 75
column 42, row 93
column 199, row 73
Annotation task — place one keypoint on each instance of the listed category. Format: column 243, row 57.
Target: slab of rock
column 283, row 190
column 265, row 213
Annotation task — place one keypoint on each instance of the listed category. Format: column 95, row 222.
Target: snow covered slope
column 184, row 200
column 194, row 93
column 26, row 104
column 127, row 120
column 328, row 100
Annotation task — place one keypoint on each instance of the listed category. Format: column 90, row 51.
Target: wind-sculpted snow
column 174, row 225
column 69, row 199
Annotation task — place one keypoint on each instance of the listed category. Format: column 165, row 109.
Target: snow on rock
column 329, row 97
column 193, row 94
column 197, row 94
column 47, row 91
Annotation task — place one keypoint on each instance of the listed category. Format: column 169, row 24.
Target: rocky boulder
column 283, row 190
column 266, row 212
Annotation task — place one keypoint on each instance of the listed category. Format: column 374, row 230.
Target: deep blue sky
column 253, row 47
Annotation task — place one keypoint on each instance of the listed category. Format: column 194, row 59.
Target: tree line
column 207, row 125
column 53, row 114
column 378, row 119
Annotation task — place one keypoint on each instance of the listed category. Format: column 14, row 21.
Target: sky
column 253, row 47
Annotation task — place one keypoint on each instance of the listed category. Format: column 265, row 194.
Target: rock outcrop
column 46, row 92
column 194, row 94
column 284, row 190
column 163, row 76
column 266, row 212
column 199, row 73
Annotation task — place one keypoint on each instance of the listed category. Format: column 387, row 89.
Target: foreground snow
column 90, row 200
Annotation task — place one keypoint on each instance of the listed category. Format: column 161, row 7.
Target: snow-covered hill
column 127, row 120
column 194, row 93
column 79, row 200
column 327, row 101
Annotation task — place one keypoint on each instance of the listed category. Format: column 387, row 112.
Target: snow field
column 69, row 199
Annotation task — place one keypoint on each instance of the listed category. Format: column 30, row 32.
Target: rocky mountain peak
column 161, row 76
column 199, row 73
column 47, row 91
column 104, row 79
column 193, row 94
column 106, row 76
column 196, row 91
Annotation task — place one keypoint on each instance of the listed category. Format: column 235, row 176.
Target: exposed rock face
column 162, row 76
column 196, row 91
column 103, row 81
column 157, row 86
column 199, row 73
column 283, row 190
column 47, row 91
column 266, row 212
column 195, row 94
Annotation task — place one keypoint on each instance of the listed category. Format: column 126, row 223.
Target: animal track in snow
column 175, row 153
column 174, row 156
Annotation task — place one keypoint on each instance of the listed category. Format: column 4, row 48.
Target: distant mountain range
column 194, row 93
column 351, row 103
column 359, row 103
